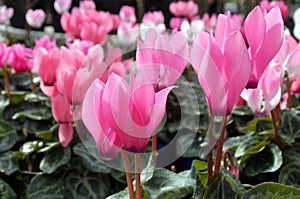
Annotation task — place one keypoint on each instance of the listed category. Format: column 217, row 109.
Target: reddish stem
column 33, row 87
column 219, row 151
column 288, row 90
column 138, row 177
column 6, row 79
column 210, row 167
column 128, row 174
column 274, row 122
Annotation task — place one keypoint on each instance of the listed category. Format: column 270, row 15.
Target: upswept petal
column 225, row 26
column 106, row 140
column 255, row 28
column 65, row 134
column 293, row 63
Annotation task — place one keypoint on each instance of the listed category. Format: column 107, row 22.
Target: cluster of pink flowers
column 17, row 56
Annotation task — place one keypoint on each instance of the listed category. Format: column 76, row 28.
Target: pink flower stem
column 288, row 90
column 210, row 167
column 274, row 122
column 6, row 79
column 154, row 144
column 219, row 151
column 138, row 177
column 128, row 174
column 33, row 87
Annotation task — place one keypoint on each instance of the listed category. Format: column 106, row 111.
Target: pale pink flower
column 62, row 6
column 127, row 14
column 35, row 18
column 5, row 14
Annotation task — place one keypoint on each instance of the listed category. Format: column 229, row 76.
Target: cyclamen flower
column 44, row 42
column 152, row 20
column 191, row 29
column 223, row 57
column 264, row 34
column 35, row 18
column 20, row 58
column 62, row 6
column 183, row 9
column 266, row 5
column 162, row 58
column 288, row 57
column 129, row 119
column 86, row 5
column 127, row 14
column 5, row 14
column 267, row 95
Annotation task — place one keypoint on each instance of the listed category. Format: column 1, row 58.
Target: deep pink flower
column 62, row 6
column 183, row 9
column 35, row 18
column 116, row 21
column 267, row 95
column 5, row 14
column 20, row 58
column 61, row 111
column 129, row 119
column 162, row 58
column 3, row 53
column 266, row 5
column 72, row 23
column 127, row 14
column 176, row 22
column 223, row 57
column 155, row 17
column 264, row 33
column 44, row 42
column 45, row 65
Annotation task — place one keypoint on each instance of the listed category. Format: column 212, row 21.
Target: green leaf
column 258, row 124
column 251, row 145
column 268, row 160
column 8, row 136
column 224, row 186
column 36, row 113
column 291, row 155
column 84, row 184
column 271, row 190
column 4, row 102
column 44, row 186
column 54, row 159
column 30, row 147
column 290, row 125
column 290, row 175
column 167, row 184
column 18, row 96
column 5, row 191
column 89, row 161
column 242, row 111
column 233, row 142
column 8, row 162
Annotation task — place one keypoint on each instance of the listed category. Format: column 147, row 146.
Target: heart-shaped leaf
column 8, row 162
column 8, row 136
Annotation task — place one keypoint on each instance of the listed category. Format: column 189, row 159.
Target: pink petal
column 65, row 134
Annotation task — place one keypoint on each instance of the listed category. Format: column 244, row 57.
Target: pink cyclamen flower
column 267, row 95
column 183, row 9
column 155, row 17
column 296, row 18
column 127, row 14
column 128, row 33
column 61, row 111
column 62, row 6
column 266, row 5
column 35, row 18
column 162, row 58
column 223, row 58
column 152, row 20
column 116, row 21
column 5, row 14
column 86, row 5
column 129, row 119
column 176, row 22
column 264, row 34
column 44, row 42
column 288, row 57
column 45, row 64
column 20, row 58
column 72, row 23
column 3, row 53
